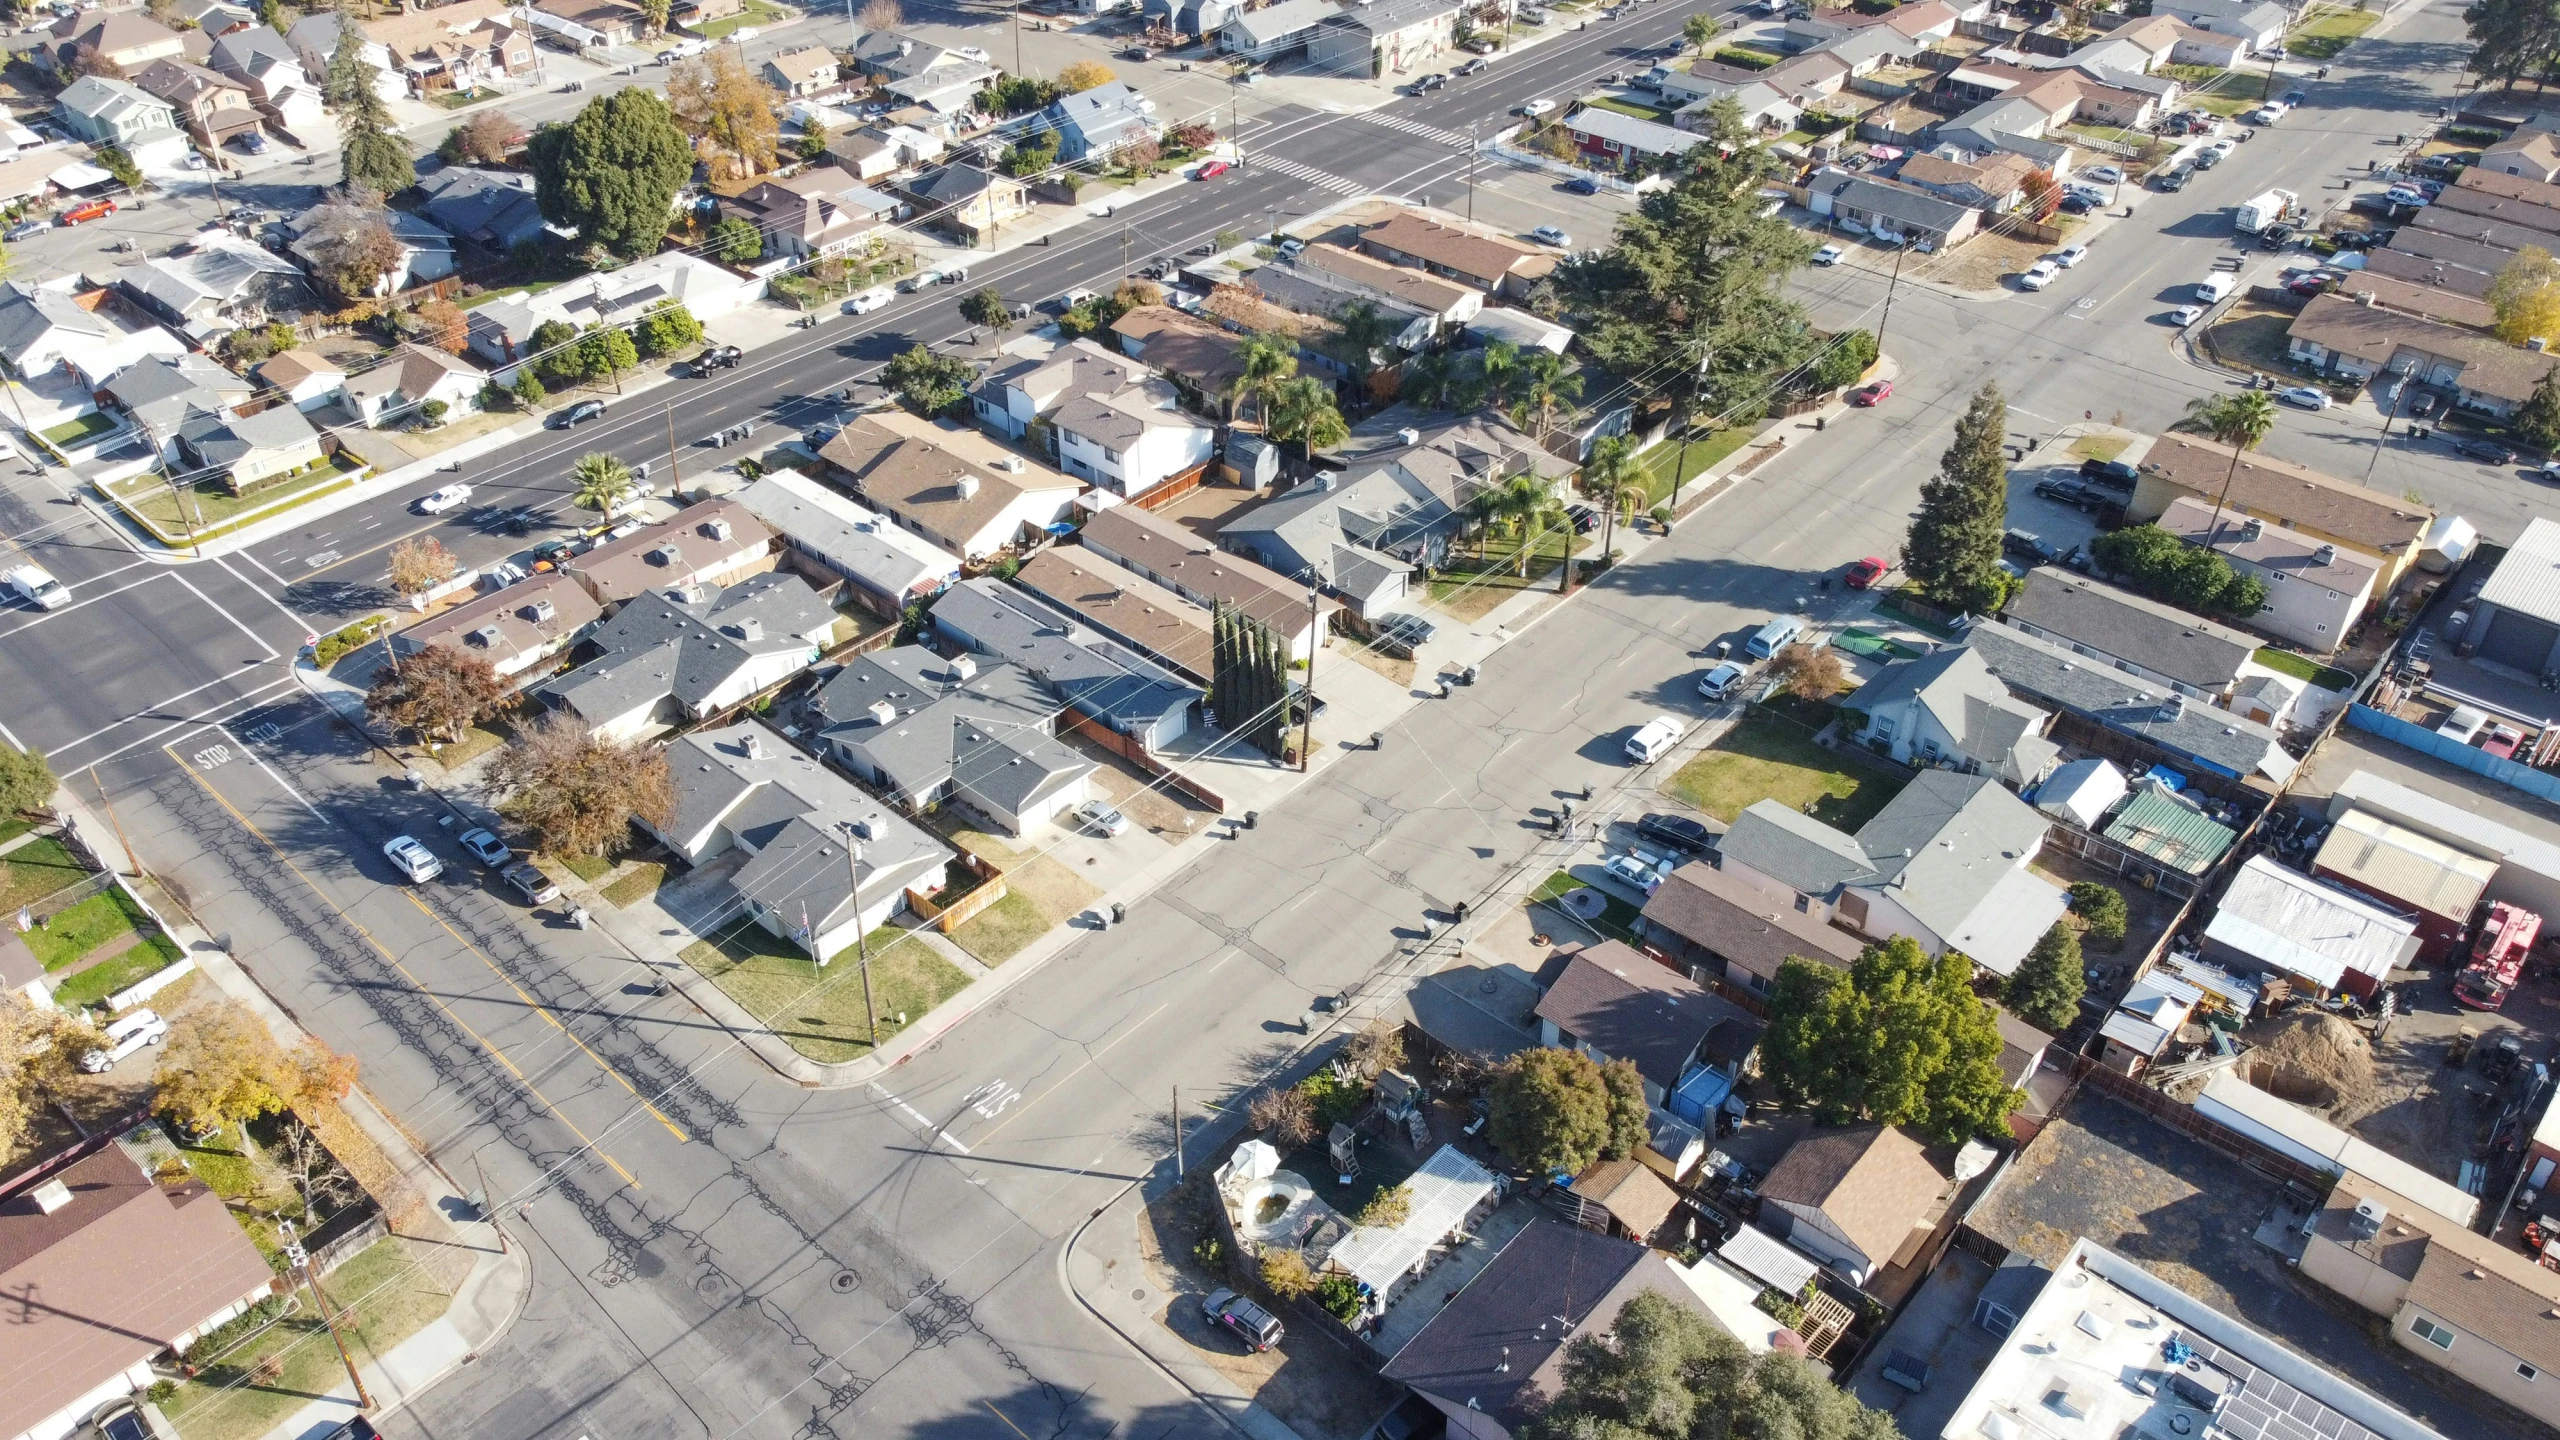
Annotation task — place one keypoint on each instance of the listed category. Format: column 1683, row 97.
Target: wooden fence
column 991, row 888
column 1076, row 722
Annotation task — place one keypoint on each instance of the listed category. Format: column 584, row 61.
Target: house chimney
column 52, row 1195
column 749, row 628
column 967, row 486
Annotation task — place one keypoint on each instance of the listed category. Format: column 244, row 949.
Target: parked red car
column 1872, row 393
column 1867, row 572
column 1212, row 170
column 94, row 210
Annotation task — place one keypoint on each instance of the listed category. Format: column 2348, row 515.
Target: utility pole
column 1890, row 286
column 861, row 942
column 485, row 1212
column 300, row 1260
column 1017, row 38
column 177, row 498
column 1124, row 249
column 1235, row 132
column 2383, row 440
column 675, row 481
column 1706, row 351
column 1315, row 642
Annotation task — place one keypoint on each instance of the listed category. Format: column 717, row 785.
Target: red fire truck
column 2497, row 957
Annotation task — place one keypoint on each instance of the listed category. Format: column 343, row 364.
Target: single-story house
column 217, row 284
column 953, row 486
column 1948, row 709
column 1894, row 213
column 248, row 450
column 710, row 542
column 1383, row 37
column 48, row 327
column 585, row 23
column 682, row 654
column 305, row 378
column 1716, row 924
column 425, row 250
column 1101, row 121
column 518, row 629
column 162, row 393
column 1106, row 683
column 2103, row 710
column 2261, row 23
column 2337, row 334
column 493, row 209
column 924, row 730
column 1124, row 605
column 1612, row 1002
column 802, row 70
column 830, row 863
column 1274, row 30
column 2144, row 638
column 1445, row 246
column 888, row 565
column 399, row 387
column 820, row 211
column 1996, row 184
column 1626, row 142
column 876, row 152
column 1853, row 1198
column 127, row 39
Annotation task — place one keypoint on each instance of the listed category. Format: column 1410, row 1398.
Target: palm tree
column 1545, row 387
column 2239, row 421
column 1365, row 330
column 1497, row 372
column 1612, row 476
column 1266, row 360
column 601, row 479
column 1302, row 410
column 1431, row 379
column 1525, row 505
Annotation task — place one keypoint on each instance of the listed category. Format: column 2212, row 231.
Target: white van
column 37, row 587
column 1655, row 739
column 870, row 300
column 1775, row 636
column 2212, row 288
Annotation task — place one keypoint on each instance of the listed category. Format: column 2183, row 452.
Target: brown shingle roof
column 1415, row 287
column 1740, row 921
column 123, row 1271
column 1872, row 1181
column 1192, row 564
column 1633, row 1195
column 2513, row 187
column 1483, row 257
column 2534, row 149
column 2435, row 302
column 2532, row 214
column 2293, row 495
column 2503, row 1298
column 803, row 65
column 912, row 468
column 2490, row 366
column 1629, row 1008
column 1123, row 603
column 1194, row 351
column 512, row 611
column 634, row 564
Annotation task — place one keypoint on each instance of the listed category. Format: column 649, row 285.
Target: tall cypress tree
column 1953, row 551
column 374, row 155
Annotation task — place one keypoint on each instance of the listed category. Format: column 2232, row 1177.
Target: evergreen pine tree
column 2538, row 423
column 375, row 156
column 2048, row 985
column 1953, row 552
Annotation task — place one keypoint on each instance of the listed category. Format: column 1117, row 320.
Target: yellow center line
column 1008, row 1424
column 538, row 1008
column 989, row 1134
column 394, row 961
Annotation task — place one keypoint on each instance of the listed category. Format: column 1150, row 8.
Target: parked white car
column 2070, row 256
column 1639, row 872
column 1101, row 819
column 2309, row 397
column 415, row 860
column 125, row 1036
column 2039, row 275
column 1828, row 255
column 2186, row 315
column 1550, row 235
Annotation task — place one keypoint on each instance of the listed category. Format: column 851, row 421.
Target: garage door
column 2519, row 640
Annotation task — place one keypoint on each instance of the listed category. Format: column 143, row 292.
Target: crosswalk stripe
column 1307, row 173
column 1417, row 128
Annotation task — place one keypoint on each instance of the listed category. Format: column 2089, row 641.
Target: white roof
column 2010, row 920
column 2528, row 580
column 1758, row 1253
column 2311, row 1137
column 1445, row 1189
column 1729, row 1297
column 2082, row 791
column 843, row 532
column 2290, row 922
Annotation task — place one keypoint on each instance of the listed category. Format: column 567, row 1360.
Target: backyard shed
column 2320, row 936
column 2081, row 792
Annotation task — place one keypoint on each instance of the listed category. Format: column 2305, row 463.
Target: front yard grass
column 1469, row 586
column 35, row 870
column 1617, row 918
column 1629, row 107
column 85, row 428
column 2100, row 447
column 2254, row 339
column 1040, row 893
column 2304, row 668
column 93, row 985
column 1765, row 758
column 2329, row 31
column 382, row 1294
column 636, row 884
column 756, row 13
column 590, row 868
column 78, row 929
column 211, row 509
column 1704, row 452
column 819, row 1013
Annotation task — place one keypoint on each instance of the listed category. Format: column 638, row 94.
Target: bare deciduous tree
column 421, row 564
column 317, row 1177
column 580, row 794
column 1809, row 672
column 731, row 115
column 883, row 15
column 438, row 692
column 1378, row 1049
column 1285, row 1115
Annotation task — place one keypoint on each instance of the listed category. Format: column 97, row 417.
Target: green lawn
column 90, row 986
column 35, row 870
column 1765, row 758
column 590, row 868
column 2329, row 31
column 211, row 509
column 1704, row 452
column 256, row 1386
column 998, row 933
column 756, row 13
column 1629, row 107
column 2304, row 668
column 15, row 826
column 1617, row 918
column 95, row 423
column 1469, row 586
column 817, row 1013
column 637, row 884
column 78, row 929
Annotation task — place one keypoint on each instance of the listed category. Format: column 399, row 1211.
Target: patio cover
column 1445, row 1190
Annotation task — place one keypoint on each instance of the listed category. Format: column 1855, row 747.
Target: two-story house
column 266, row 65
column 1102, row 121
column 1495, row 264
column 820, row 211
column 951, row 485
column 1108, row 418
column 214, row 108
column 802, row 70
column 117, row 112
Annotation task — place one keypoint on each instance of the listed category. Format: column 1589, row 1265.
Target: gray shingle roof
column 2119, row 623
column 2191, row 731
column 1946, row 842
column 1094, row 675
column 930, row 696
column 1012, row 769
column 225, row 441
column 1795, row 849
column 660, row 645
column 1629, row 1007
column 1972, row 706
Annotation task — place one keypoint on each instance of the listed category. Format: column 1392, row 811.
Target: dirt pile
column 2323, row 1048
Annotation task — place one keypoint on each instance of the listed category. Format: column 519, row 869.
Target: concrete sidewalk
column 500, row 1281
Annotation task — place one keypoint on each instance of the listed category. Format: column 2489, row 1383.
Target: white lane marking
column 163, row 702
column 272, row 652
column 912, row 1113
column 198, row 718
column 305, row 626
column 79, row 604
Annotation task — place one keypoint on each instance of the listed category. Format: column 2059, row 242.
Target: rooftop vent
column 965, row 668
column 539, row 611
column 1408, row 436
column 665, row 555
column 967, row 485
column 2325, row 555
column 487, row 637
column 1009, row 464
column 52, row 1195
column 869, row 827
column 717, row 529
column 754, row 745
column 749, row 628
column 2368, row 1219
column 883, row 713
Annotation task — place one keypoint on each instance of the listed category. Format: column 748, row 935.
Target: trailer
column 2497, row 957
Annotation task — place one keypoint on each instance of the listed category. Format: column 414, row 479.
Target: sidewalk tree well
column 1550, row 1110
column 928, row 383
column 579, row 794
column 612, row 173
column 1953, row 550
column 601, row 479
column 527, row 388
column 439, row 692
column 2047, row 988
column 40, row 1050
column 1690, row 294
column 1898, row 1038
column 1663, row 1371
column 26, row 781
column 1843, row 361
column 1700, row 31
column 420, row 564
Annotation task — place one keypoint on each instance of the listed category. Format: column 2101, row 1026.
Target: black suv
column 1677, row 831
column 2027, row 546
column 718, row 357
column 2072, row 493
column 2110, row 475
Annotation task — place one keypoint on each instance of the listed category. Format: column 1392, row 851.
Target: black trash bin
column 1119, row 913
